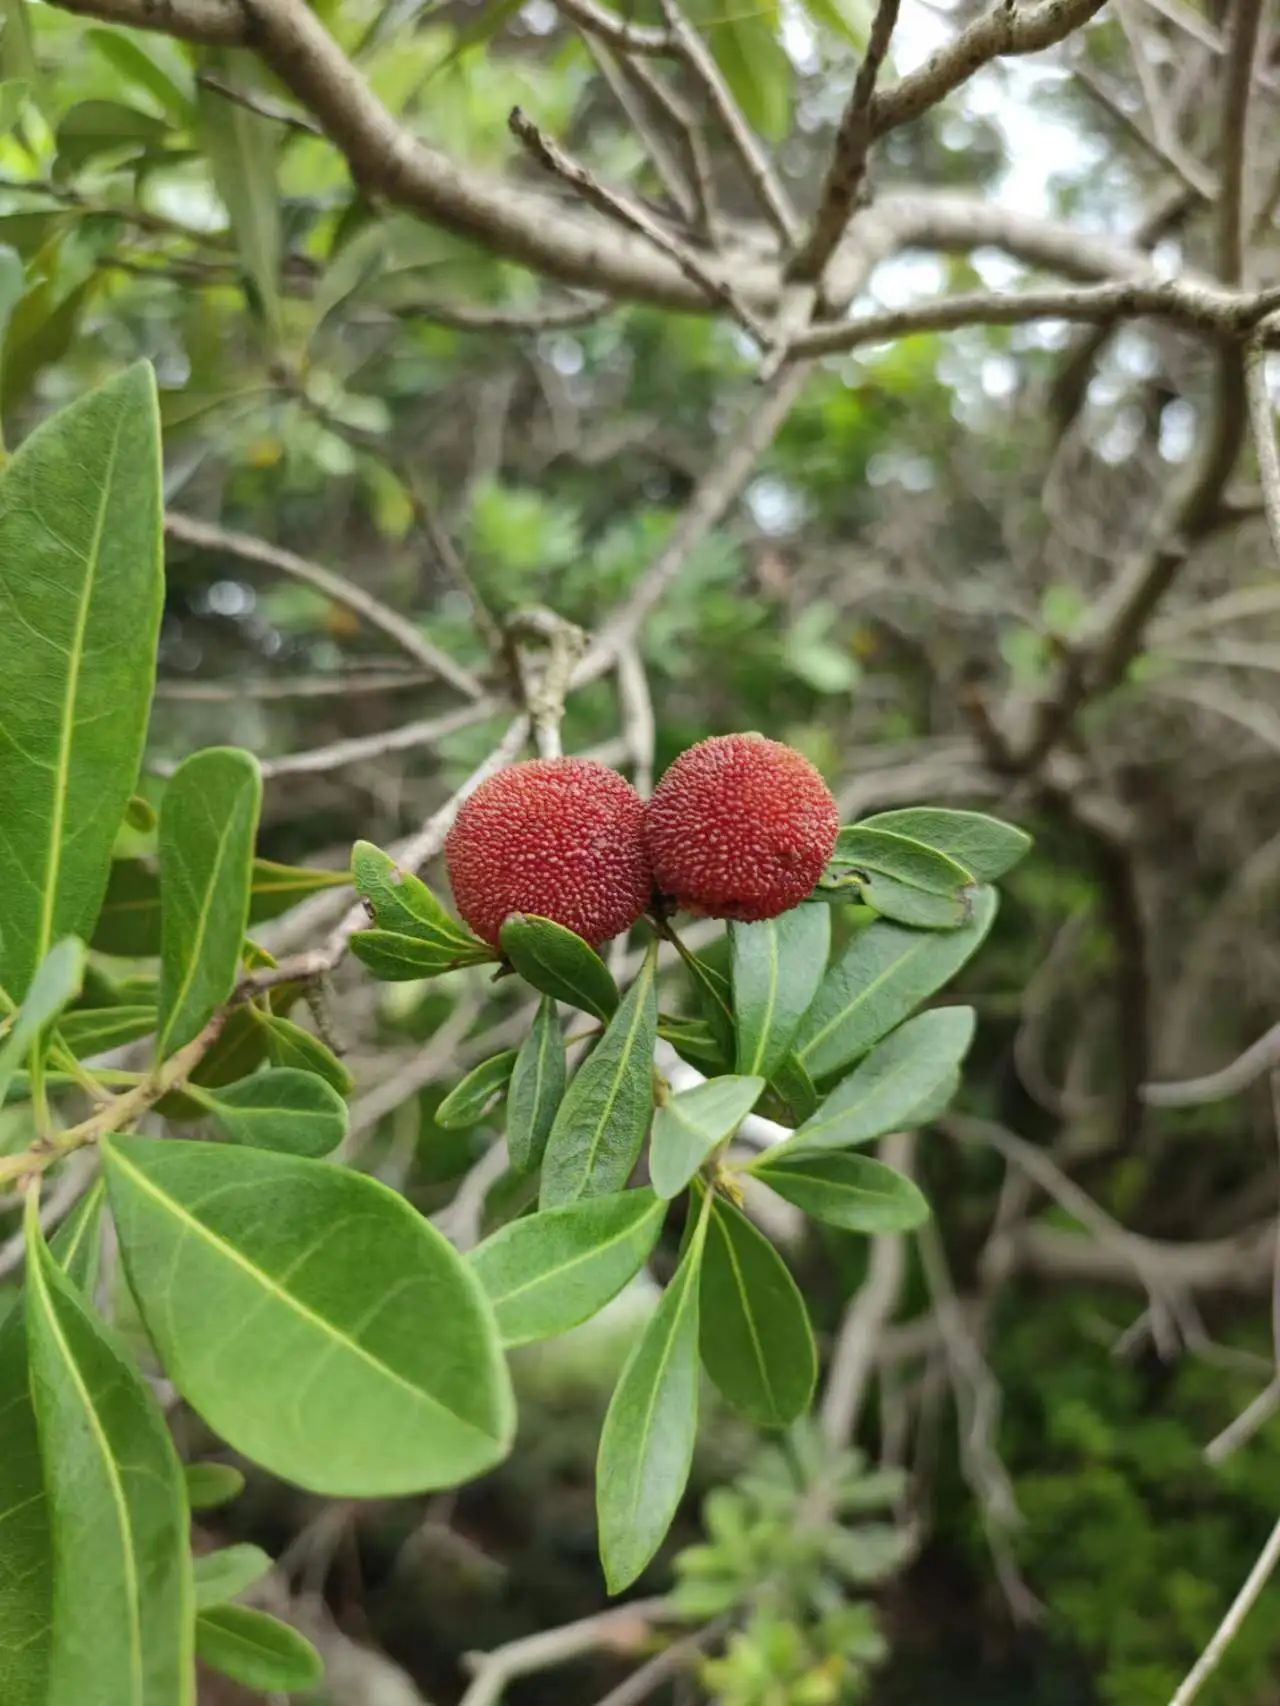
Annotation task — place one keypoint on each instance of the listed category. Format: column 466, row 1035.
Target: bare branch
column 1259, row 1058
column 204, row 536
column 839, row 193
column 1243, row 20
column 1002, row 33
column 632, row 214
column 1228, row 1629
column 1199, row 308
column 555, row 317
column 343, row 684
column 857, row 1342
column 718, row 489
column 1262, row 417
column 773, row 199
column 623, row 1629
column 631, row 96
column 617, row 31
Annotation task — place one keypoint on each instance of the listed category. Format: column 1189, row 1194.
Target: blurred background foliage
column 925, row 526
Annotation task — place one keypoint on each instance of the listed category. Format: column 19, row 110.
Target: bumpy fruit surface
column 560, row 837
column 740, row 827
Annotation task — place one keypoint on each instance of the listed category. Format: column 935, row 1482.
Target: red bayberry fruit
column 560, row 837
column 740, row 827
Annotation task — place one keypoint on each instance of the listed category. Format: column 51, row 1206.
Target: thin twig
column 342, row 684
column 1262, row 417
column 839, row 194
column 773, row 199
column 1229, row 1628
column 622, row 1628
column 221, row 541
column 1259, row 1058
column 254, row 102
column 360, row 749
column 1243, row 20
column 631, row 214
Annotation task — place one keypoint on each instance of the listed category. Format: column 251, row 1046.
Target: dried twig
column 1228, row 1629
column 622, row 1629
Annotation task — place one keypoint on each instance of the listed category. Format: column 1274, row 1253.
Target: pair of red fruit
column 739, row 827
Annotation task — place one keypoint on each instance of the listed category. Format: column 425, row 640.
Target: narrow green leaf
column 757, row 1344
column 57, row 981
column 129, row 922
column 289, row 1045
column 904, row 879
column 257, row 1650
column 210, row 1485
column 777, row 967
column 646, row 1443
column 93, row 1030
column 985, row 846
column 851, row 1191
column 690, row 1125
column 714, row 992
column 17, row 51
column 91, row 128
column 208, row 821
column 559, row 964
column 536, row 1090
column 142, row 67
column 402, row 902
column 81, row 583
column 469, row 1100
column 13, row 274
column 887, row 1089
column 850, row 19
column 227, row 1573
column 121, row 1630
column 26, row 1578
column 882, row 976
column 405, row 959
column 600, row 1127
column 242, row 149
column 281, row 1109
column 552, row 1271
column 356, row 1353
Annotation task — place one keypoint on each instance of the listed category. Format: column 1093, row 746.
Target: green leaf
column 242, row 149
column 935, row 1104
column 208, row 822
column 695, row 1042
column 402, row 903
column 757, row 1344
column 984, row 846
column 57, row 981
column 129, row 922
column 757, row 70
column 793, row 1084
column 281, row 1109
column 469, row 1100
column 882, row 976
column 405, row 959
column 850, row 19
column 715, row 997
column 212, row 1484
column 17, row 51
column 257, row 1650
column 289, row 1045
column 690, row 1125
column 81, row 578
column 356, row 1353
column 552, row 1271
column 122, row 1629
column 851, row 1191
column 646, row 1443
column 777, row 967
column 600, row 1126
column 92, row 128
column 904, row 879
column 26, row 1578
column 93, row 1030
column 13, row 275
column 536, row 1089
column 136, row 65
column 226, row 1574
column 559, row 964
column 890, row 1085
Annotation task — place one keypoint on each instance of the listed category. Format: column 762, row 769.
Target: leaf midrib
column 66, row 733
column 770, row 1006
column 229, row 1252
column 195, row 948
column 40, row 1288
column 748, row 1317
column 863, row 995
column 624, row 1061
column 547, row 1275
column 693, row 1258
